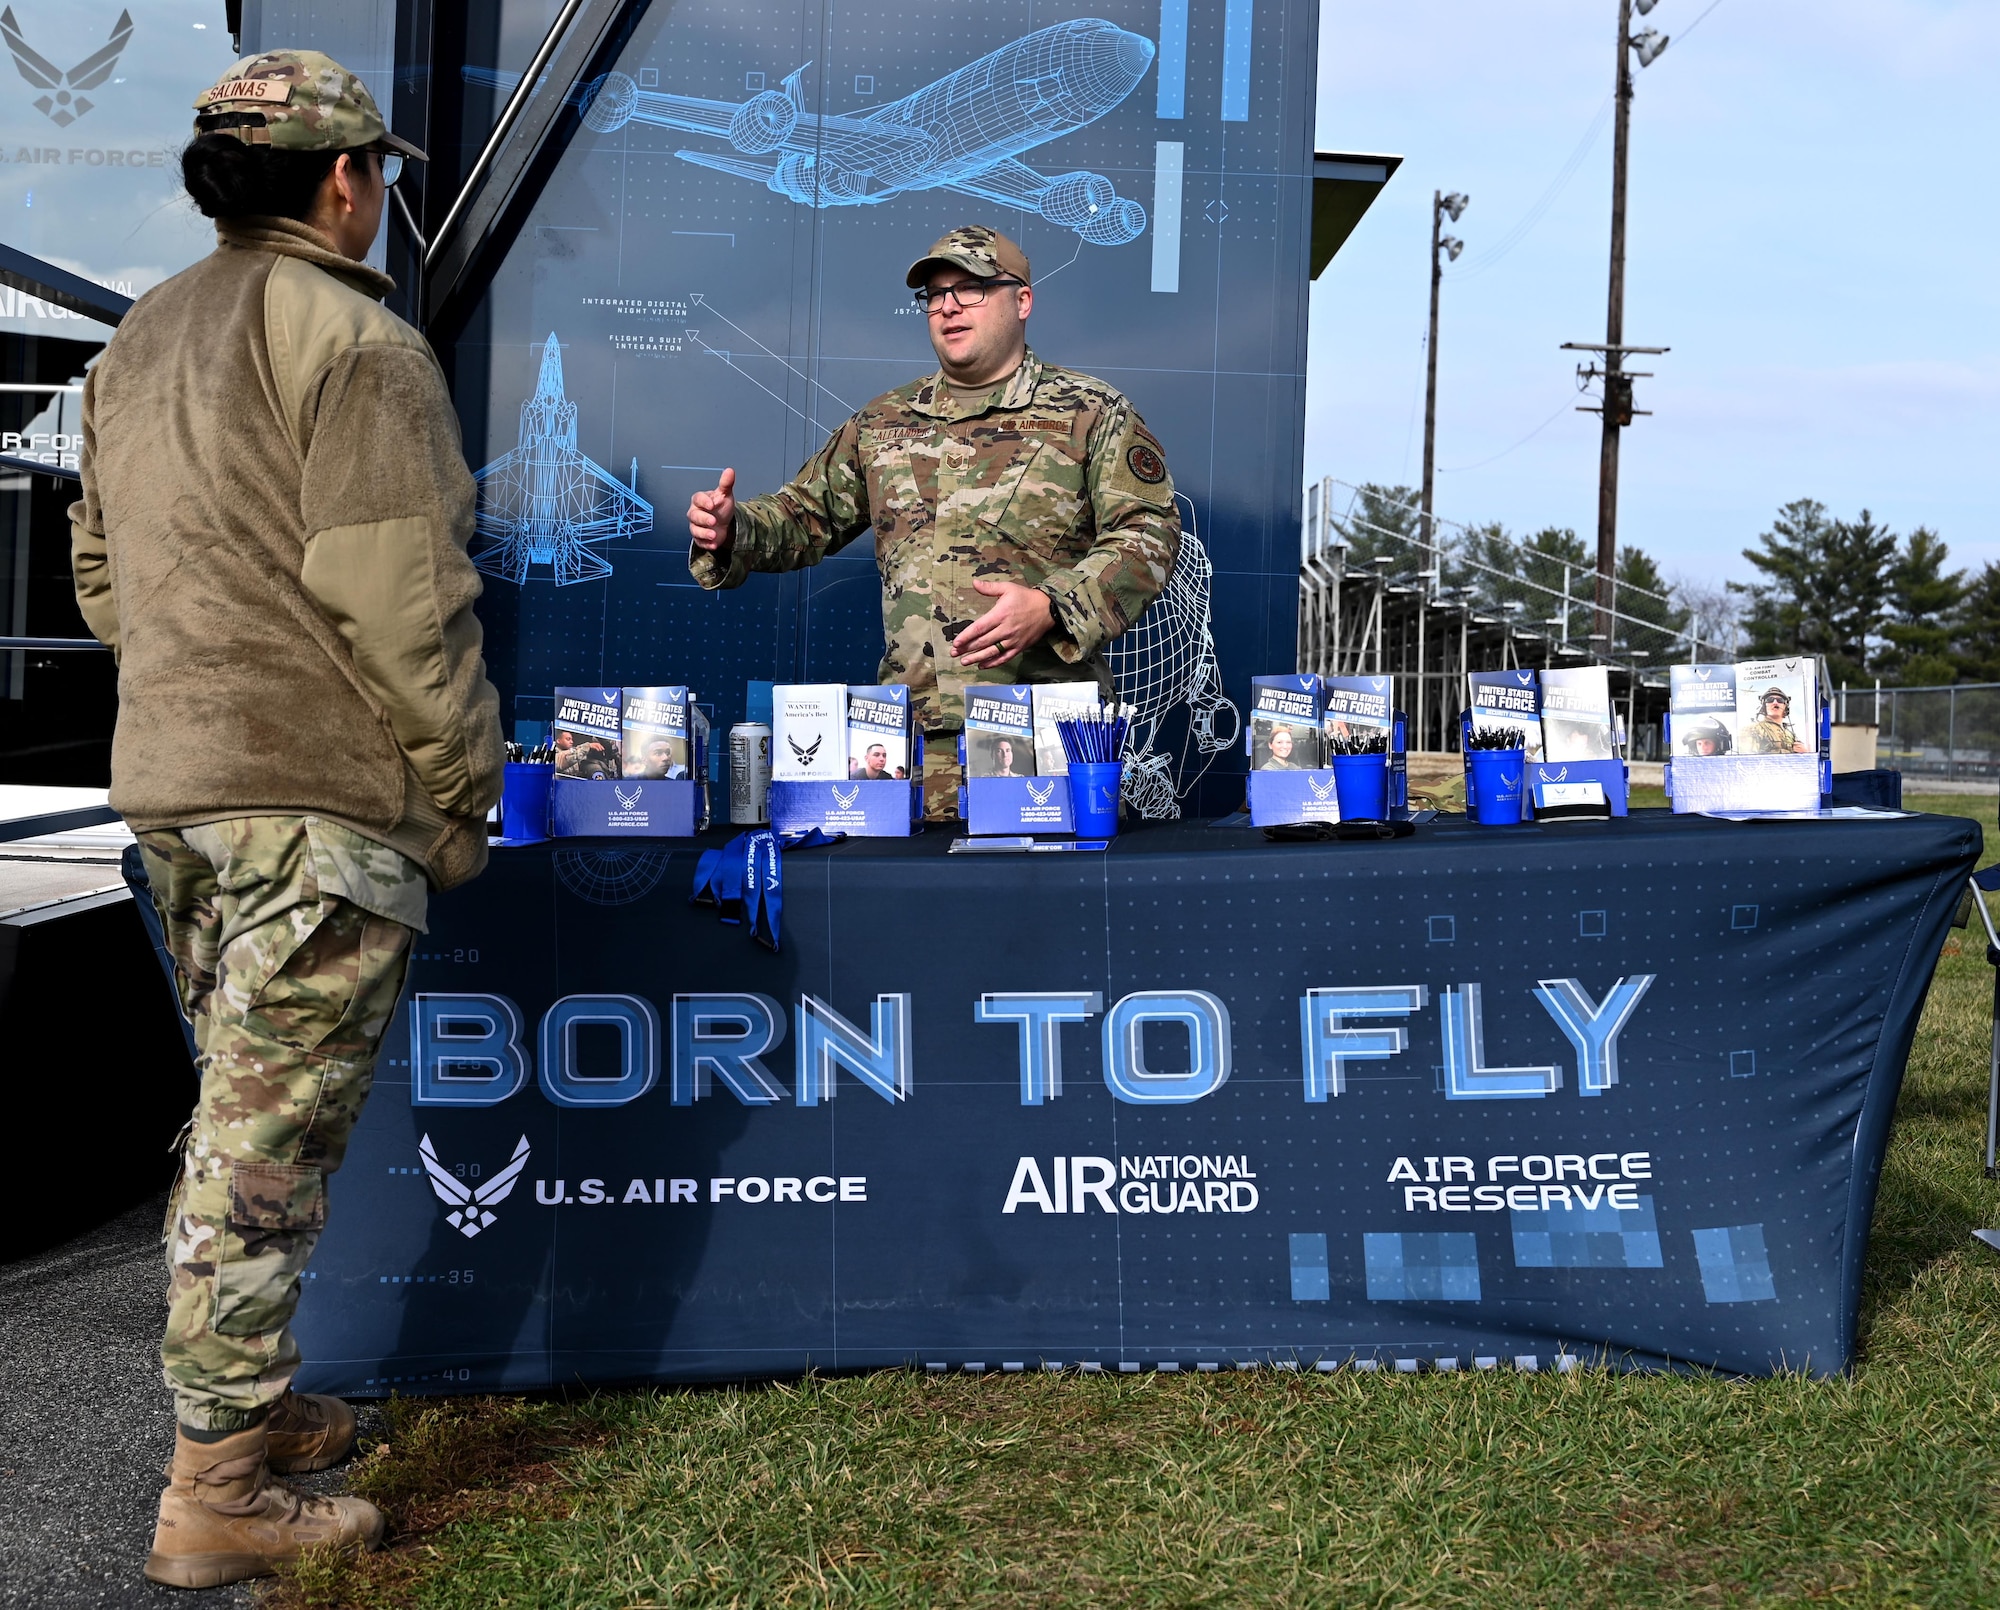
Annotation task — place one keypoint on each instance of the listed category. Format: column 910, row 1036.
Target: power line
column 1460, row 469
column 1534, row 214
column 1690, row 28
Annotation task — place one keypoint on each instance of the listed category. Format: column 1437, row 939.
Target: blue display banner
column 1565, row 1092
column 714, row 276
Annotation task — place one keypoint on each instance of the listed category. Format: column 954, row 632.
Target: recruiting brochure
column 1355, row 704
column 1576, row 714
column 1508, row 699
column 1284, row 723
column 1702, row 705
column 656, row 732
column 878, row 734
column 586, row 732
column 1777, row 707
column 1052, row 699
column 999, row 731
column 809, row 732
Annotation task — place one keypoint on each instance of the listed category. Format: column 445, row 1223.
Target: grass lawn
column 1265, row 1488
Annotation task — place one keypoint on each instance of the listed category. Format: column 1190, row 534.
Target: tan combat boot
column 307, row 1432
column 223, row 1519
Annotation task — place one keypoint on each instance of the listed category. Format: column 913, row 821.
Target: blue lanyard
column 745, row 879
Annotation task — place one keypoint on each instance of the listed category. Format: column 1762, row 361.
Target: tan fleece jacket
column 272, row 540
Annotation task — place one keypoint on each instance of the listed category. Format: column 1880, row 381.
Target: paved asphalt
column 86, row 1428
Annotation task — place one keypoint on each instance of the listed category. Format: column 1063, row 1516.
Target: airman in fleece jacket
column 272, row 541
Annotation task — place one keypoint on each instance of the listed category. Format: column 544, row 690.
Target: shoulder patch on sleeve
column 1145, row 463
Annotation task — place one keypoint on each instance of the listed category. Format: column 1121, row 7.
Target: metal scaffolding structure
column 1390, row 616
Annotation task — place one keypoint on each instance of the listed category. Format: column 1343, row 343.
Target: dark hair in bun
column 228, row 179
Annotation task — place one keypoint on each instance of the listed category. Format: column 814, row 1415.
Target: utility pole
column 1617, row 386
column 1442, row 246
column 1617, row 409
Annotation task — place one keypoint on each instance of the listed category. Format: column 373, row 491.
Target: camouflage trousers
column 943, row 777
column 290, row 938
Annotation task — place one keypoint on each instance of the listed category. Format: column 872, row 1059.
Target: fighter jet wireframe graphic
column 66, row 104
column 965, row 132
column 544, row 503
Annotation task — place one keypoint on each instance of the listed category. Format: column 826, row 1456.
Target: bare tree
column 1714, row 615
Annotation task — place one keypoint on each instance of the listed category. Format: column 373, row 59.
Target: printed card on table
column 656, row 732
column 809, row 732
column 878, row 734
column 1285, row 723
column 1053, row 699
column 587, row 732
column 1777, row 708
column 999, row 731
column 1703, row 707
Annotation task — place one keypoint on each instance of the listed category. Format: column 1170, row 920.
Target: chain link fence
column 1949, row 734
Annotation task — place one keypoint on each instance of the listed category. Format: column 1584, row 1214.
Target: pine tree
column 1976, row 631
column 1483, row 561
column 1924, row 600
column 1653, row 624
column 1556, row 555
column 1855, row 586
column 1826, row 590
column 1781, row 618
column 1382, row 520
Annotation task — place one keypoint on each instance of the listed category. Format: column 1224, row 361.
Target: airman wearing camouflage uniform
column 1042, row 476
column 306, row 742
column 1772, row 732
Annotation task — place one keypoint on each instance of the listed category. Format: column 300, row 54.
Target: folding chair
column 1977, row 888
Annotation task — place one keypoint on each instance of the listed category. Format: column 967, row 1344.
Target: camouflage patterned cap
column 977, row 250
column 296, row 100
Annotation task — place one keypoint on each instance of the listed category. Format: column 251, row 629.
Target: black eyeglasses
column 967, row 293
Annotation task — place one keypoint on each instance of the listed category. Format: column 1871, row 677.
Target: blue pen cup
column 524, row 802
column 1496, row 777
column 1361, row 784
column 1093, row 797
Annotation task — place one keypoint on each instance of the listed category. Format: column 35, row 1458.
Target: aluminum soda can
column 749, row 772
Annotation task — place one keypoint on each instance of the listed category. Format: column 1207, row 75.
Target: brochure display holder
column 1751, row 784
column 885, row 810
column 1737, row 783
column 1280, row 798
column 637, row 808
column 1283, row 798
column 1578, row 788
column 1014, row 805
column 888, row 809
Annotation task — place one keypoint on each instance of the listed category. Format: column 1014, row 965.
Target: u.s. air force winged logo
column 63, row 103
column 471, row 1206
column 627, row 800
column 846, row 801
column 804, row 753
column 1320, row 790
column 1042, row 795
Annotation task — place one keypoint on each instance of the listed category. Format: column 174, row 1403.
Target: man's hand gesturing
column 712, row 516
column 1019, row 620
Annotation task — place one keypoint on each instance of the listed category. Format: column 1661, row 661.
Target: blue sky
column 1811, row 230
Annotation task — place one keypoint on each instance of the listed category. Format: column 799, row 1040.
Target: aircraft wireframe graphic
column 544, row 503
column 965, row 132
